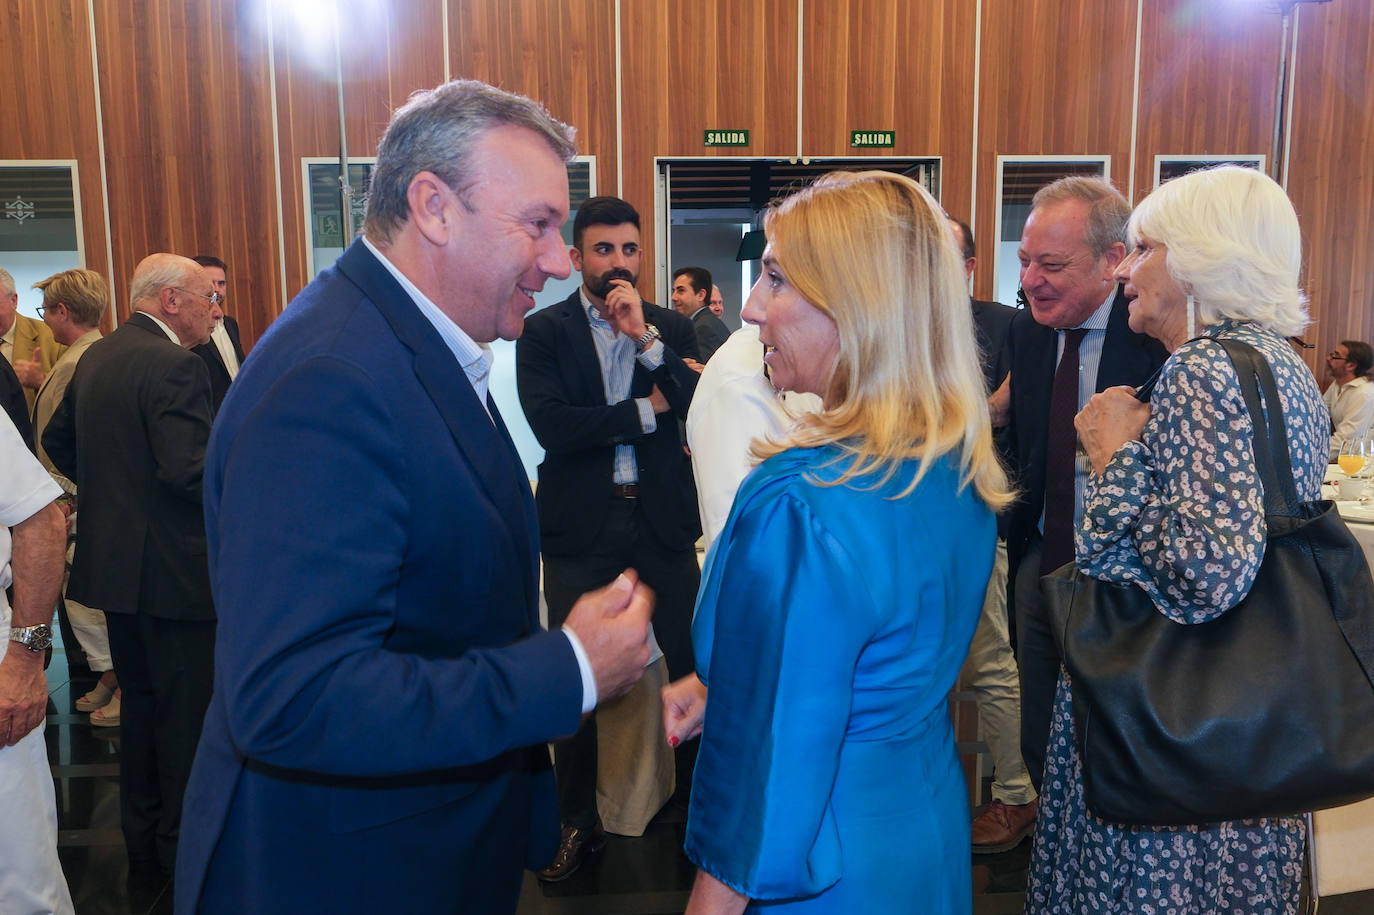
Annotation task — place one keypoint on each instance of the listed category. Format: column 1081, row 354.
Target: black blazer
column 561, row 391
column 711, row 332
column 1127, row 358
column 991, row 322
column 131, row 433
column 214, row 363
column 14, row 402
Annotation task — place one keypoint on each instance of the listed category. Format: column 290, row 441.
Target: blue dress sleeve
column 787, row 615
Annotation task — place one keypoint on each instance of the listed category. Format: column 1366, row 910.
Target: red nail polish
column 673, row 742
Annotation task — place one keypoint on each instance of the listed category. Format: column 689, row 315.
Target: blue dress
column 1181, row 514
column 831, row 625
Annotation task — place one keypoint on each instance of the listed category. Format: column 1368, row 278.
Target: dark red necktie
column 1060, row 458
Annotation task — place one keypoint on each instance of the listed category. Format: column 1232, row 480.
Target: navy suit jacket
column 564, row 399
column 1032, row 354
column 383, row 689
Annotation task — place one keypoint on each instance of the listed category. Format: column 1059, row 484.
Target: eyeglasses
column 1337, row 356
column 40, row 309
column 214, row 297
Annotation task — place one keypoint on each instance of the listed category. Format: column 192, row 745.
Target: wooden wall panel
column 187, row 144
column 690, row 67
column 1331, row 177
column 1206, row 82
column 568, row 63
column 1056, row 78
column 389, row 50
column 48, row 94
column 893, row 65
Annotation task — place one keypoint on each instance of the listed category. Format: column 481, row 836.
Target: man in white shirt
column 30, row 876
column 1350, row 396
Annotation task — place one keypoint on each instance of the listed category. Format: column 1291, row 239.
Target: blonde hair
column 84, row 292
column 872, row 250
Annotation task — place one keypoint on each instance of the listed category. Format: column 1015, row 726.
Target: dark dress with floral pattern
column 1181, row 514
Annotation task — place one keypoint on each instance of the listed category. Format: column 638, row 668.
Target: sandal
column 107, row 716
column 96, row 698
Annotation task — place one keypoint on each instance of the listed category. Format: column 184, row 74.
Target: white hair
column 1232, row 242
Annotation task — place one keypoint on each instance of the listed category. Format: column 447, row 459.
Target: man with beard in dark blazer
column 604, row 386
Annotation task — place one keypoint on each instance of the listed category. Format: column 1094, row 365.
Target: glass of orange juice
column 1352, row 456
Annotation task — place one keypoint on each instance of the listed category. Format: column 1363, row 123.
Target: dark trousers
column 1037, row 657
column 624, row 541
column 166, row 670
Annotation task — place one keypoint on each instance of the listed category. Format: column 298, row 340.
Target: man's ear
column 429, row 199
column 167, row 299
column 1114, row 256
column 575, row 256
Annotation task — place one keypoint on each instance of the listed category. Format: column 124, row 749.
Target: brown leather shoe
column 575, row 845
column 1001, row 827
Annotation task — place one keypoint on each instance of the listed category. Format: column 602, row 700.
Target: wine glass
column 1354, row 458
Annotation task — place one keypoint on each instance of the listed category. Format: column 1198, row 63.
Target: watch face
column 34, row 638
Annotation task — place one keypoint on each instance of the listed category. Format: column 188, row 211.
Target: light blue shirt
column 616, row 353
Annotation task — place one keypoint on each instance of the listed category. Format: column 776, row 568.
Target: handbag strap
column 1271, row 437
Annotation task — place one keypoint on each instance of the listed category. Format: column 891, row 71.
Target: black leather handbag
column 1267, row 710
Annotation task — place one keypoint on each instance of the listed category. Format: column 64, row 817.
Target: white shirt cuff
column 585, row 667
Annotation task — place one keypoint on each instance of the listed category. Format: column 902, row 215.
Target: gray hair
column 1107, row 209
column 157, row 271
column 6, row 282
column 1232, row 242
column 435, row 131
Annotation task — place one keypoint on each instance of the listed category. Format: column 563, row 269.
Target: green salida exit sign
column 871, row 138
column 726, row 138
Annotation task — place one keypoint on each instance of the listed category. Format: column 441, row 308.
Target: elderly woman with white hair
column 1175, row 505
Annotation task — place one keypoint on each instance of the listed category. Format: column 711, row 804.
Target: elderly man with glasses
column 131, row 432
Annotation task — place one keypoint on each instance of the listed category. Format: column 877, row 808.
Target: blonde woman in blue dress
column 838, row 602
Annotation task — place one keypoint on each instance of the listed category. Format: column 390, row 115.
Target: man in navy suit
column 604, row 385
column 383, row 689
column 1072, row 243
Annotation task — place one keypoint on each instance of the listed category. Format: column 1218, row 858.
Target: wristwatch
column 650, row 335
column 34, row 638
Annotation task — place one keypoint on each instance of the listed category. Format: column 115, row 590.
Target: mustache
column 602, row 286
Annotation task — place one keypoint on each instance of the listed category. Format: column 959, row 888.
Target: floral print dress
column 1181, row 514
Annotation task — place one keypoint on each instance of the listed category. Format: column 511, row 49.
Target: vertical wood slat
column 1206, row 83
column 908, row 67
column 388, row 51
column 564, row 58
column 1057, row 79
column 692, row 67
column 1331, row 175
column 48, row 94
column 188, row 153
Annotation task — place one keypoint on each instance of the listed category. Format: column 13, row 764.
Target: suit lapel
column 581, row 349
column 485, row 445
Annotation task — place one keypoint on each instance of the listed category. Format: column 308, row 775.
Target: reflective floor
column 640, row 876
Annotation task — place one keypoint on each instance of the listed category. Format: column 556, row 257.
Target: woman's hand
column 684, row 706
column 1110, row 420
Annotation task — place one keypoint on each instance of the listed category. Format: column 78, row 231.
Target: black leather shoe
column 576, row 845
